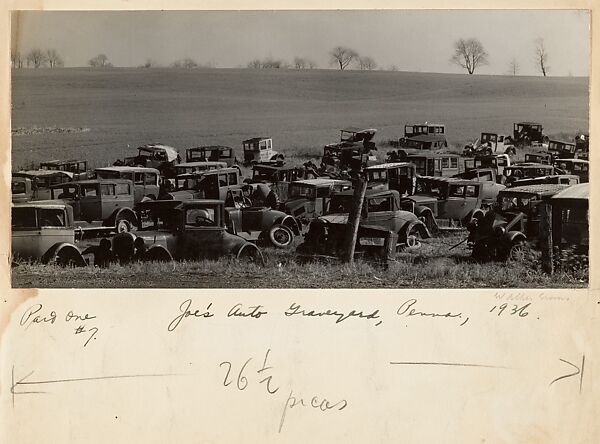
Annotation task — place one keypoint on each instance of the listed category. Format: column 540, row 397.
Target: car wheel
column 413, row 238
column 517, row 251
column 68, row 258
column 251, row 253
column 281, row 236
column 123, row 226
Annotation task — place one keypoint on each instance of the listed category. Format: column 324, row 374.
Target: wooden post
column 546, row 237
column 389, row 247
column 360, row 188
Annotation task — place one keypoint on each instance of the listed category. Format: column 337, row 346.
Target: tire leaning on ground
column 281, row 236
column 251, row 253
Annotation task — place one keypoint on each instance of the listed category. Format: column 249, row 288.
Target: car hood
column 293, row 204
column 336, row 218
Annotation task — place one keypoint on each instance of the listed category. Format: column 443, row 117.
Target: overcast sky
column 411, row 40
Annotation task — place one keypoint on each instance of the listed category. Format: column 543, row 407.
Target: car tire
column 281, row 236
column 122, row 226
column 517, row 251
column 68, row 258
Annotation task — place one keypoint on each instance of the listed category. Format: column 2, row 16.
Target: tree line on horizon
column 469, row 54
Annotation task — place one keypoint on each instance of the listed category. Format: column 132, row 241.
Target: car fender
column 290, row 222
column 513, row 236
column 157, row 253
column 408, row 227
column 55, row 249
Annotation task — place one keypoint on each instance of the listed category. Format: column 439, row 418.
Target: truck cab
column 145, row 180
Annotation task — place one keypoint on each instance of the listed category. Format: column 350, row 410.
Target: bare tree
column 367, row 63
column 300, row 63
column 54, row 58
column 186, row 63
column 469, row 54
column 149, row 63
column 541, row 57
column 36, row 57
column 16, row 60
column 342, row 56
column 393, row 68
column 311, row 64
column 513, row 66
column 100, row 61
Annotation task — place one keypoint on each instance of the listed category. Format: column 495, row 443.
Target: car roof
column 40, row 204
column 388, row 165
column 572, row 160
column 528, row 123
column 321, row 181
column 208, row 172
column 272, row 167
column 129, row 168
column 154, row 147
column 210, row 147
column 58, row 162
column 36, row 173
column 91, row 182
column 578, row 192
column 368, row 193
column 451, row 180
column 561, row 141
column 255, row 139
column 529, row 165
column 200, row 163
column 424, row 153
column 425, row 124
column 541, row 189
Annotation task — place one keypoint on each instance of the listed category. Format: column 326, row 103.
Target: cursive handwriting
column 31, row 316
column 406, row 309
column 185, row 310
column 296, row 309
column 315, row 403
column 253, row 312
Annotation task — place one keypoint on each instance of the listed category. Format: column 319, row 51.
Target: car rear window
column 17, row 187
column 51, row 217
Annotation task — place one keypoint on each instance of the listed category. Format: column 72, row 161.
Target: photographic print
column 300, row 149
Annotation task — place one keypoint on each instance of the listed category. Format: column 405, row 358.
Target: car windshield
column 300, row 190
column 439, row 190
column 520, row 203
column 66, row 192
column 341, row 204
column 377, row 175
column 187, row 183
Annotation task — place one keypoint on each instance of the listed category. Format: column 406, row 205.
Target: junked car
column 308, row 199
column 570, row 221
column 35, row 184
column 44, row 231
column 210, row 184
column 154, row 155
column 381, row 214
column 260, row 149
column 503, row 231
column 399, row 176
column 211, row 153
column 578, row 167
column 102, row 204
column 453, row 202
column 489, row 143
column 184, row 230
column 145, row 180
column 525, row 170
column 496, row 161
column 198, row 166
column 78, row 168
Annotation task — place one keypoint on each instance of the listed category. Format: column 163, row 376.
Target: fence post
column 360, row 189
column 546, row 237
column 389, row 246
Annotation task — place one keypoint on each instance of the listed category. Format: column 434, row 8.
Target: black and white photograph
column 300, row 149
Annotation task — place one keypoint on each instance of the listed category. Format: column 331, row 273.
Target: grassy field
column 431, row 266
column 103, row 115
column 106, row 114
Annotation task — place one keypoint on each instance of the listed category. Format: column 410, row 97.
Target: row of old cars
column 163, row 209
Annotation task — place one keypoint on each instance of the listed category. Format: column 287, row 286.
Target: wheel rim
column 122, row 226
column 282, row 237
column 517, row 253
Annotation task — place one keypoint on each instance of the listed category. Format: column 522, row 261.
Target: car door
column 380, row 213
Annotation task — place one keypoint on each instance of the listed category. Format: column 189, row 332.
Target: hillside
column 301, row 110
